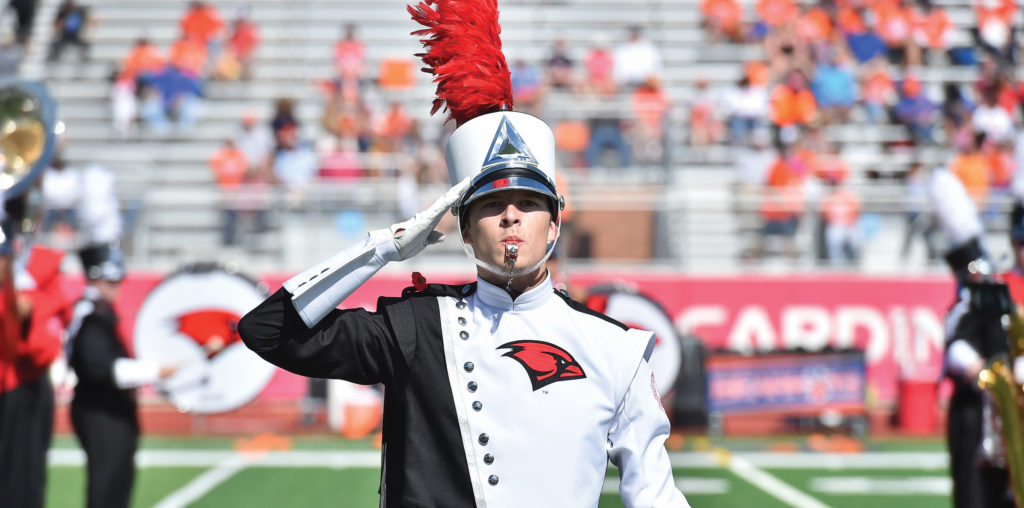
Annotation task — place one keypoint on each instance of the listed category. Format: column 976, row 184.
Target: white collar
column 497, row 297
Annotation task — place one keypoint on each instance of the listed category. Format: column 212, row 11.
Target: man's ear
column 552, row 231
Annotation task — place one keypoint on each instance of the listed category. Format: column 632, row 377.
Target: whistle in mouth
column 511, row 251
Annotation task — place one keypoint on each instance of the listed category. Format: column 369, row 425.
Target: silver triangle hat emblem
column 508, row 146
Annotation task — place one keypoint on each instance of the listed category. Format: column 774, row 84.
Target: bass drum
column 636, row 310
column 191, row 320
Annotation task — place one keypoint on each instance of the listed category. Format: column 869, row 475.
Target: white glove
column 415, row 234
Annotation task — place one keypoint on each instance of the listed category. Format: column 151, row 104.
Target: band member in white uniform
column 502, row 392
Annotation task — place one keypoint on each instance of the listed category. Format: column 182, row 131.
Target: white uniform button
column 477, row 405
column 468, row 366
column 484, row 438
column 463, row 335
column 471, row 386
column 462, row 321
column 488, row 459
column 493, row 479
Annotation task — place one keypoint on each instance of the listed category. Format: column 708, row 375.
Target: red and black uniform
column 26, row 394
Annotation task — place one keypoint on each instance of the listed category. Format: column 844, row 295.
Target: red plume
column 463, row 52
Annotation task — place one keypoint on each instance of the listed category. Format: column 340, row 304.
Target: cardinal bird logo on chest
column 214, row 330
column 545, row 363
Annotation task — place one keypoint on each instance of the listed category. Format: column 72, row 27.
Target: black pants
column 65, row 39
column 26, row 427
column 109, row 439
column 974, row 484
column 25, row 15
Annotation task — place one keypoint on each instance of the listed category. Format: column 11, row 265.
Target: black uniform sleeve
column 352, row 344
column 95, row 350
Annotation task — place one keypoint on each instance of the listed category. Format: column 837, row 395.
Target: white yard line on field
column 687, row 485
column 889, row 485
column 766, row 482
column 204, row 483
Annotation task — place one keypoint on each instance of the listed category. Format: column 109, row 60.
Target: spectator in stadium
column 636, row 60
column 916, row 111
column 957, row 110
column 62, row 189
column 202, row 23
column 229, row 166
column 776, row 13
column 103, row 411
column 722, row 20
column 69, row 26
column 840, row 209
column 11, row 55
column 254, row 140
column 236, row 61
column 787, row 51
column 705, row 126
column 990, row 118
column 350, row 56
column 894, row 23
column 919, row 221
column 972, row 169
column 878, row 94
column 189, row 55
column 863, row 42
column 180, row 95
column 753, row 163
column 650, row 105
column 294, row 163
column 599, row 65
column 24, row 19
column 791, row 103
column 995, row 32
column 284, row 115
column 396, row 127
column 144, row 60
column 835, row 87
column 782, row 203
column 815, row 25
column 932, row 29
column 745, row 107
column 560, row 67
column 527, row 85
column 123, row 106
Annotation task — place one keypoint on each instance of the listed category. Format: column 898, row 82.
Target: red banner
column 898, row 322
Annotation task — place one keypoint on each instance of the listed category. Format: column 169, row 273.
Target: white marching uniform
column 489, row 401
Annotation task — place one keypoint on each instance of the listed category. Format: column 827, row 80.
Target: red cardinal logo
column 545, row 363
column 214, row 330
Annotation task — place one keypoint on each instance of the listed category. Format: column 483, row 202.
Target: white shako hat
column 501, row 149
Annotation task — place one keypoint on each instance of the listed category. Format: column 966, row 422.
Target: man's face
column 109, row 290
column 514, row 216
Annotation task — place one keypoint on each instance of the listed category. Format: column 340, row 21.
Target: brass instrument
column 1000, row 384
column 28, row 132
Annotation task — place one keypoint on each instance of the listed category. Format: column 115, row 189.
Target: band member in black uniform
column 103, row 411
column 975, row 333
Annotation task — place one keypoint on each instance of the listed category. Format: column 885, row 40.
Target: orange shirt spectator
column 893, row 22
column 933, row 29
column 757, row 73
column 878, row 87
column 144, row 58
column 815, row 25
column 202, row 22
column 783, row 198
column 995, row 10
column 396, row 124
column 649, row 106
column 229, row 166
column 777, row 12
column 850, row 21
column 791, row 107
column 722, row 14
column 188, row 55
column 841, row 208
column 244, row 39
column 350, row 56
column 973, row 170
column 1002, row 163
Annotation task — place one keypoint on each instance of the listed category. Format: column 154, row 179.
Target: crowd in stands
column 825, row 63
column 859, row 61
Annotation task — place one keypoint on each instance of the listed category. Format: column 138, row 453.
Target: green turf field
column 322, row 472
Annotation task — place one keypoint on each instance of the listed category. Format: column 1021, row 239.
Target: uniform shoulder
column 579, row 307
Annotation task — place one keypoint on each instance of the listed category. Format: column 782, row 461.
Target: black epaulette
column 579, row 307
